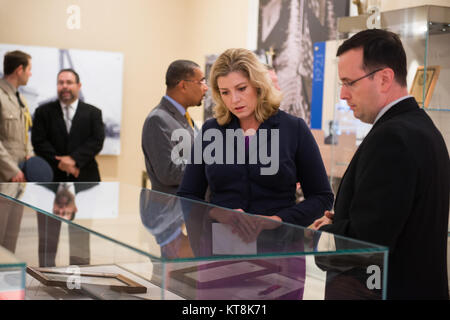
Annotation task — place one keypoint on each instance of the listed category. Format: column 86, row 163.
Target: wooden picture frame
column 113, row 281
column 417, row 88
column 223, row 273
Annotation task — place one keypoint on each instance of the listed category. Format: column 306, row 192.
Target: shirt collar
column 179, row 107
column 388, row 106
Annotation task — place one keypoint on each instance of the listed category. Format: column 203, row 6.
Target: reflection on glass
column 49, row 229
column 163, row 218
column 10, row 215
column 190, row 249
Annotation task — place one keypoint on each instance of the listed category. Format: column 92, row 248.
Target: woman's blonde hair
column 246, row 62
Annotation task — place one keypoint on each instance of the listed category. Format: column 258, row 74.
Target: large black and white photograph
column 289, row 29
column 100, row 75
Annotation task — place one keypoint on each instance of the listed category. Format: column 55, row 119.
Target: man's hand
column 19, row 177
column 326, row 219
column 68, row 164
column 75, row 172
column 65, row 161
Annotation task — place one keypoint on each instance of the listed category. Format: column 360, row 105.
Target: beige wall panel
column 150, row 34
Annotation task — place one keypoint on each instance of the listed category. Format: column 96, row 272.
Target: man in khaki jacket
column 15, row 147
column 14, row 116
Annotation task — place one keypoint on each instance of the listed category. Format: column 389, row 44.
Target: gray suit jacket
column 164, row 174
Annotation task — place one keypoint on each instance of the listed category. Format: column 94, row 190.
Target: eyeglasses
column 349, row 84
column 203, row 81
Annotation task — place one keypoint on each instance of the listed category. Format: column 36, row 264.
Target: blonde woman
column 253, row 154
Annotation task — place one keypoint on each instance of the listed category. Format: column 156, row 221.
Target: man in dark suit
column 69, row 133
column 186, row 87
column 395, row 191
column 49, row 228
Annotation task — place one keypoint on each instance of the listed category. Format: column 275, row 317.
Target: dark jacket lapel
column 77, row 117
column 60, row 119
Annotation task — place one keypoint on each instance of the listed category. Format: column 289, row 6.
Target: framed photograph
column 113, row 281
column 223, row 273
column 429, row 79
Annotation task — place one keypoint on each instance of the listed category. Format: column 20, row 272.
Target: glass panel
column 181, row 249
column 12, row 275
column 335, row 276
column 161, row 217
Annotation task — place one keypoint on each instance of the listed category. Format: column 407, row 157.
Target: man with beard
column 186, row 87
column 69, row 133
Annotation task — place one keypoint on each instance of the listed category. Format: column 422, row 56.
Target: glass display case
column 12, row 276
column 115, row 241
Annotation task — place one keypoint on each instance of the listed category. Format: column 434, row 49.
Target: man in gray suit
column 186, row 87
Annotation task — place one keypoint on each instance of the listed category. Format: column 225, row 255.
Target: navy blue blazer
column 242, row 186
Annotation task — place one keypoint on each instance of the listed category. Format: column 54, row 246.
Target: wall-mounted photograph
column 100, row 75
column 290, row 28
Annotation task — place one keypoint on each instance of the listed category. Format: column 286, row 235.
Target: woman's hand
column 247, row 226
column 326, row 219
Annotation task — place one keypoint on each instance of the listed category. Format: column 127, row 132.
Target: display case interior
column 122, row 242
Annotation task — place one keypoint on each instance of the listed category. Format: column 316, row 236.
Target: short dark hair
column 381, row 49
column 179, row 70
column 14, row 59
column 77, row 77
